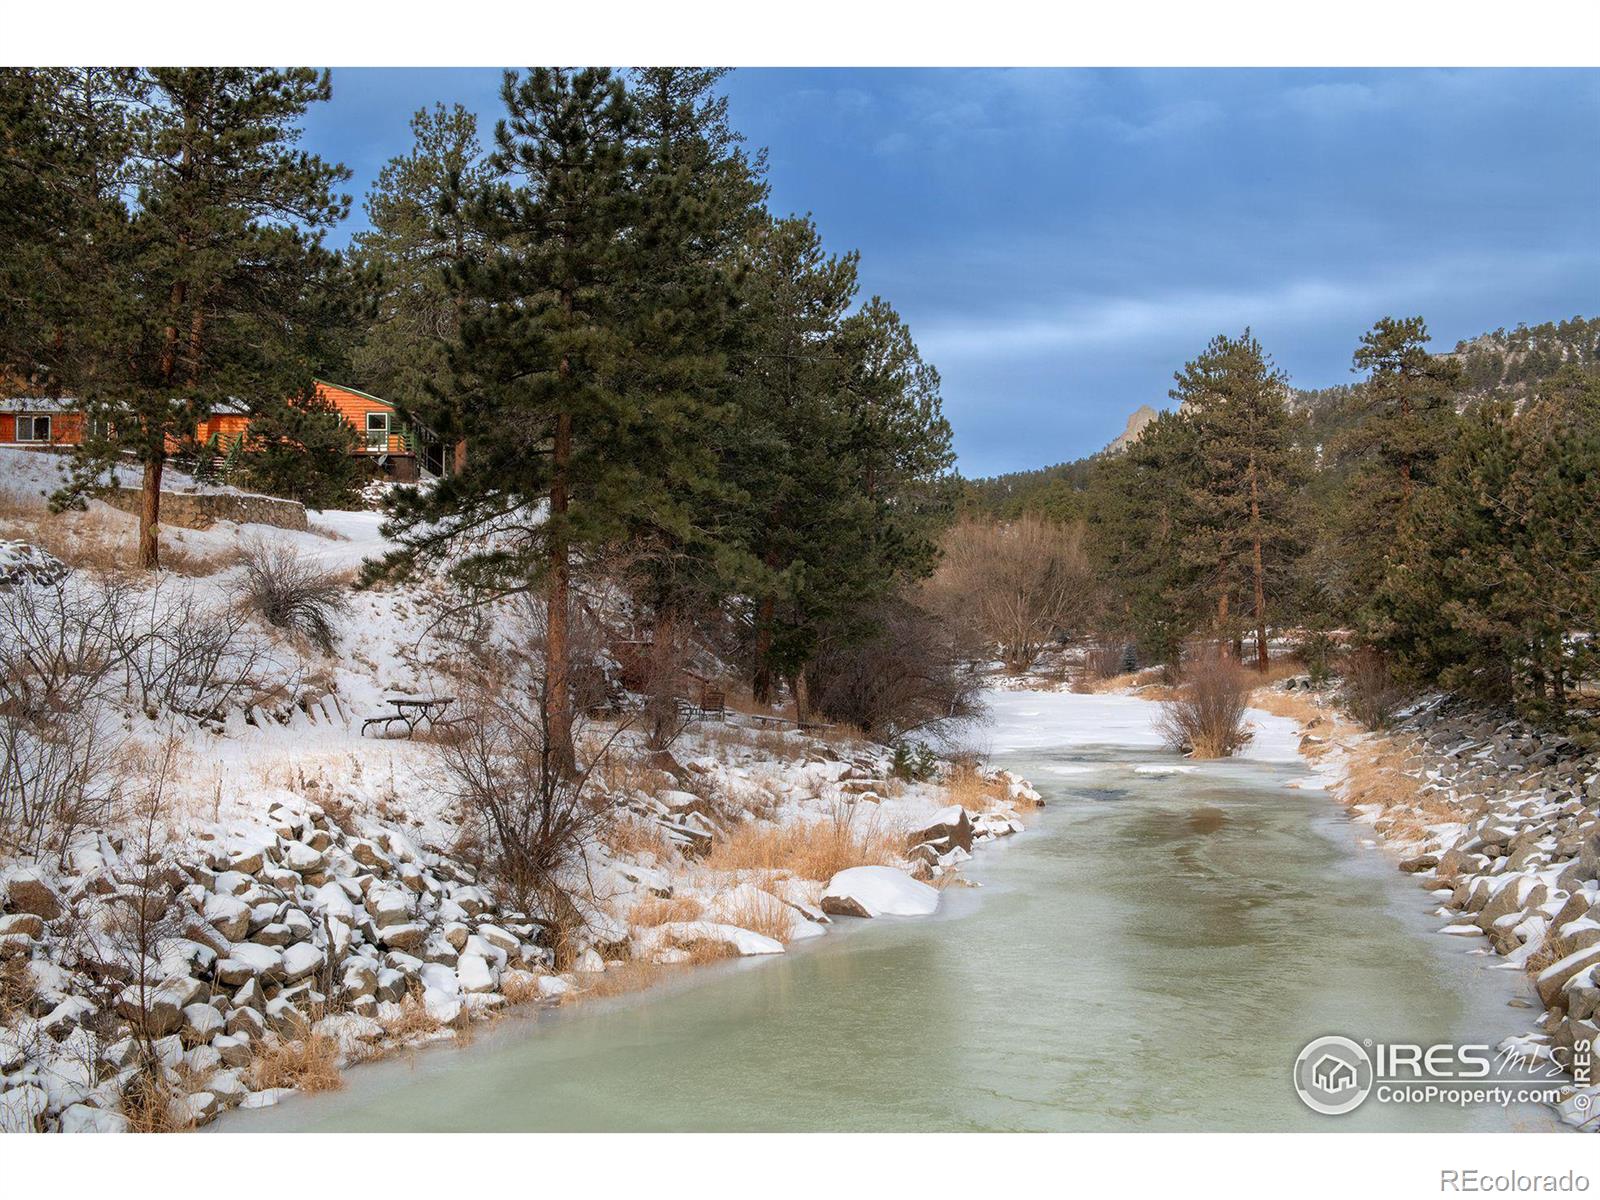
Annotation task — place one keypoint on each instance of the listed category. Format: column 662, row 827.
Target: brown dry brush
column 1207, row 717
column 289, row 591
column 1370, row 692
column 1017, row 584
column 533, row 821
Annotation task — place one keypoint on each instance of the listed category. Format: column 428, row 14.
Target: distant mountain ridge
column 1503, row 362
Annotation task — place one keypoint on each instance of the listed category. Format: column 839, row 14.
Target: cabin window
column 377, row 432
column 33, row 429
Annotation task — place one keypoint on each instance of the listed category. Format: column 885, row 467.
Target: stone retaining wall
column 201, row 510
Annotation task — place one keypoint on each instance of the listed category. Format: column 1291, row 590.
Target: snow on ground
column 302, row 751
column 1062, row 720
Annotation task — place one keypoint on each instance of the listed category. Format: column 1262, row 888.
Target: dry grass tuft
column 17, row 990
column 310, row 1064
column 762, row 912
column 520, row 989
column 628, row 836
column 655, row 911
column 811, row 850
column 414, row 1020
column 967, row 785
column 620, row 980
column 1550, row 952
column 150, row 1105
column 702, row 951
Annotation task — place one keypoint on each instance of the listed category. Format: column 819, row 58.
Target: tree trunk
column 761, row 676
column 150, row 511
column 797, row 685
column 557, row 650
column 1258, row 571
column 663, row 690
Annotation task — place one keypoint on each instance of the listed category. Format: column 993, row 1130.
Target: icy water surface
column 1151, row 954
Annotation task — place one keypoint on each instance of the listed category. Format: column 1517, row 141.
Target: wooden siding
column 354, row 406
column 66, row 428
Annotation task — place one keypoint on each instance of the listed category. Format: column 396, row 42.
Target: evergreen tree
column 1497, row 565
column 1401, row 422
column 305, row 450
column 1242, row 536
column 422, row 231
column 701, row 199
column 538, row 378
column 792, row 422
column 64, row 139
column 1140, row 512
column 221, row 289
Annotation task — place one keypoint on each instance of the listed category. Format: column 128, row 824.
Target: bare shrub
column 1370, row 693
column 1104, row 660
column 1017, row 584
column 179, row 653
column 289, row 591
column 534, row 821
column 911, row 671
column 59, row 740
column 1206, row 718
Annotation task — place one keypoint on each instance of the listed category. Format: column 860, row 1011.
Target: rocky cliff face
column 1137, row 420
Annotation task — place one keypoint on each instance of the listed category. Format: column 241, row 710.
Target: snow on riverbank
column 1060, row 720
column 315, row 880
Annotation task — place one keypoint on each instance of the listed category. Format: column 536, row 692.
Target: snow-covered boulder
column 744, row 942
column 878, row 892
column 23, row 562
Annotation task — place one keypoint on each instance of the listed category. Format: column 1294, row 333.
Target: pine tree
column 701, row 200
column 539, row 375
column 422, row 231
column 792, row 422
column 1497, row 564
column 304, row 450
column 1243, row 491
column 222, row 290
column 1139, row 515
column 64, row 139
column 1401, row 420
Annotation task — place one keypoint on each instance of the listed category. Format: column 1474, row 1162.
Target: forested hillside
column 1440, row 511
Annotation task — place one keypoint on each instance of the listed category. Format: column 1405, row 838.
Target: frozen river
column 1152, row 954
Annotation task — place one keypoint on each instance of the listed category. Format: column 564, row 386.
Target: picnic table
column 411, row 711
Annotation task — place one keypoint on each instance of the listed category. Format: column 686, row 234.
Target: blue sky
column 1061, row 241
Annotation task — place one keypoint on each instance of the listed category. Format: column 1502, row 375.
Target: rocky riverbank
column 154, row 987
column 1501, row 823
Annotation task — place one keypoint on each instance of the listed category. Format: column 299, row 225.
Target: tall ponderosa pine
column 222, row 290
column 64, row 171
column 1401, row 419
column 701, row 199
column 1243, row 489
column 792, row 420
column 844, row 456
column 422, row 233
column 539, row 374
